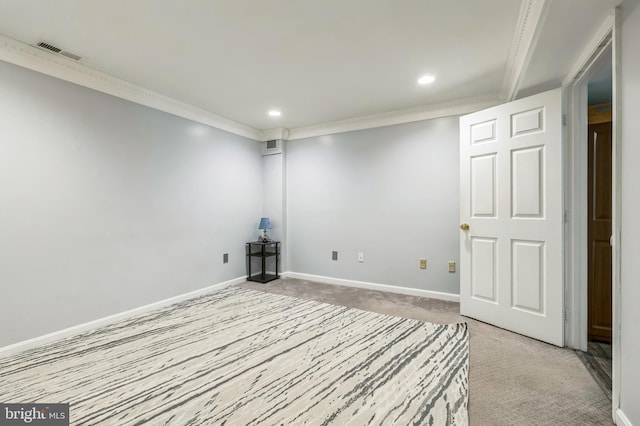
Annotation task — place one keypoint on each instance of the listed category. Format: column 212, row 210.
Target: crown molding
column 271, row 134
column 533, row 14
column 58, row 66
column 426, row 112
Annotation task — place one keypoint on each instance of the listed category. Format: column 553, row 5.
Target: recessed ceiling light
column 275, row 113
column 426, row 79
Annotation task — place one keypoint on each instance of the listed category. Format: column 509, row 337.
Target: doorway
column 598, row 355
column 601, row 51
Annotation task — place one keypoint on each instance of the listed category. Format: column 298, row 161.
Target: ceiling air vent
column 71, row 55
column 50, row 47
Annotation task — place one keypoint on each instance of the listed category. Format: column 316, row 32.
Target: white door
column 511, row 200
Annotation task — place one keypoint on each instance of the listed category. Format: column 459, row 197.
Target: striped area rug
column 244, row 357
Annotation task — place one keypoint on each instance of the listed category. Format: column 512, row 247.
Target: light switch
column 360, row 257
column 452, row 266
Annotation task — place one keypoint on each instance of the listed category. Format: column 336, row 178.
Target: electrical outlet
column 423, row 263
column 225, row 258
column 334, row 255
column 360, row 257
column 452, row 266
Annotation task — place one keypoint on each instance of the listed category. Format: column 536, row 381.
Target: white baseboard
column 57, row 335
column 621, row 419
column 375, row 286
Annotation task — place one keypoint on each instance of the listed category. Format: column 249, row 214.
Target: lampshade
column 264, row 223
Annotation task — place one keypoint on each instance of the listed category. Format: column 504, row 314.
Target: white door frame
column 607, row 37
column 576, row 204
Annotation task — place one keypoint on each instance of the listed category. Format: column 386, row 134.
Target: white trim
column 425, row 112
column 576, row 186
column 616, row 218
column 621, row 419
column 533, row 14
column 375, row 286
column 61, row 67
column 576, row 257
column 591, row 48
column 576, row 82
column 66, row 69
column 575, row 181
column 57, row 335
column 271, row 134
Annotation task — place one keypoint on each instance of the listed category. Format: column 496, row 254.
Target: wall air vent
column 50, row 47
column 272, row 147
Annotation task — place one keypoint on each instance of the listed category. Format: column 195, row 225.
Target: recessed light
column 275, row 113
column 426, row 79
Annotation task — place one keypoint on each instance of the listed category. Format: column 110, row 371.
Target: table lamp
column 264, row 225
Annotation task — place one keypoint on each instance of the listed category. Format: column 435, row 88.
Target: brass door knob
column 464, row 226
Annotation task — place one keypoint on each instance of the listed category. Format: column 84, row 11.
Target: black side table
column 263, row 251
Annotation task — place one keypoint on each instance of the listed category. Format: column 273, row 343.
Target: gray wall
column 391, row 193
column 630, row 242
column 106, row 205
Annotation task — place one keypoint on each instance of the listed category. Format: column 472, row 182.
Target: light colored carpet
column 513, row 380
column 240, row 357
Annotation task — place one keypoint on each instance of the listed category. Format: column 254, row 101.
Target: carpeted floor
column 513, row 380
column 239, row 356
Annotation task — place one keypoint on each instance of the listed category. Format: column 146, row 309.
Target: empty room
column 338, row 212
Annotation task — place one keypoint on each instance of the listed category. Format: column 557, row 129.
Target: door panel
column 527, row 122
column 483, row 132
column 526, row 188
column 483, row 186
column 528, row 281
column 483, row 264
column 510, row 195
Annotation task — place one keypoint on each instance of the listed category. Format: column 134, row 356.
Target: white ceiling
column 316, row 61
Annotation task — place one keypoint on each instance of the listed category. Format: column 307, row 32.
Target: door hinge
column 565, row 217
column 564, row 119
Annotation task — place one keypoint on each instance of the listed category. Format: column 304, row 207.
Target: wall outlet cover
column 360, row 257
column 452, row 266
column 423, row 263
column 334, row 255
